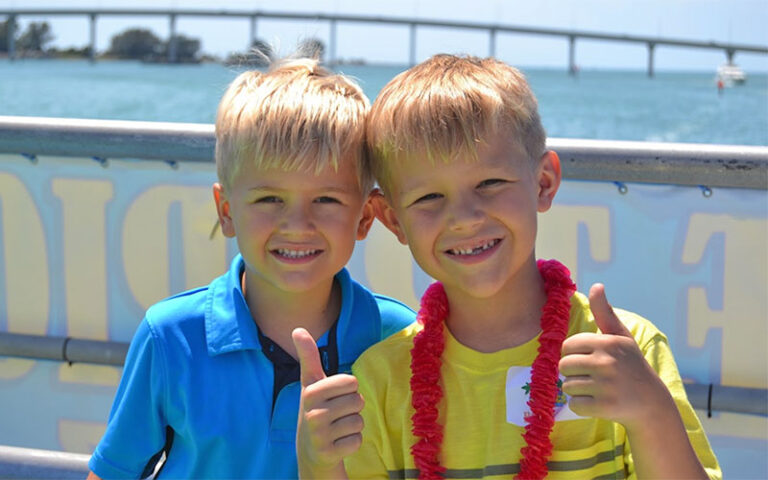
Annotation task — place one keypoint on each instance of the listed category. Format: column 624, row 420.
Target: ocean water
column 610, row 105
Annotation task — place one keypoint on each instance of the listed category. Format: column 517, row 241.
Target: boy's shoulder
column 392, row 308
column 366, row 318
column 582, row 321
column 190, row 308
column 187, row 303
column 393, row 313
column 213, row 319
column 177, row 324
column 358, row 290
column 392, row 350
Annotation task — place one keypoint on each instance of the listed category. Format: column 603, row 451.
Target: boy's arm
column 329, row 424
column 608, row 377
column 136, row 428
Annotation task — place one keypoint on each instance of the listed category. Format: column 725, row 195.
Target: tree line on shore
column 140, row 44
column 133, row 43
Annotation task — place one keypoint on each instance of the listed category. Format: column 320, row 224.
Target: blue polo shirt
column 196, row 366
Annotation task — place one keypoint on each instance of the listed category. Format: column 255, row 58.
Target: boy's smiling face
column 471, row 224
column 295, row 229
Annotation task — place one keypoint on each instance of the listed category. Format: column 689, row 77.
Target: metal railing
column 63, row 349
column 71, row 137
column 603, row 160
column 27, row 463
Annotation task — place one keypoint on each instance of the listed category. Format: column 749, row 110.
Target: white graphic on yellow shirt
column 518, row 394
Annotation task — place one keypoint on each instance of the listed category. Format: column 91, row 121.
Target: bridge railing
column 333, row 19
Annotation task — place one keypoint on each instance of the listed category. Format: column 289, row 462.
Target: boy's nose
column 297, row 219
column 465, row 215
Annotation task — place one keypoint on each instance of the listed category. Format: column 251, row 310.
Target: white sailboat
column 730, row 74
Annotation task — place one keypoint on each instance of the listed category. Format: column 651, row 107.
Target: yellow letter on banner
column 745, row 308
column 77, row 436
column 146, row 248
column 559, row 233
column 84, row 239
column 27, row 295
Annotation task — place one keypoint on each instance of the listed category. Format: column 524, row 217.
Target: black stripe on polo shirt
column 514, row 468
column 286, row 369
column 161, row 456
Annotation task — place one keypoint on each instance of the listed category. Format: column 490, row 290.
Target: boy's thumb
column 309, row 357
column 605, row 318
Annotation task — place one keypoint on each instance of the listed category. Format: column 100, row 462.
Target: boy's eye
column 491, row 182
column 268, row 199
column 427, row 198
column 327, row 200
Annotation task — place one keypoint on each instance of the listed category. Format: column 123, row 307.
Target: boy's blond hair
column 445, row 107
column 296, row 116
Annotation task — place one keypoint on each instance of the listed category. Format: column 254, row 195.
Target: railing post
column 11, row 30
column 254, row 26
column 729, row 53
column 492, row 42
column 92, row 53
column 651, row 49
column 572, row 55
column 412, row 55
column 332, row 44
column 172, row 58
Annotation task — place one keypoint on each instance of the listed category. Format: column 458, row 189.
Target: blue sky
column 737, row 21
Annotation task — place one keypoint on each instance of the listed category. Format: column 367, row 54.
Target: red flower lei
column 426, row 391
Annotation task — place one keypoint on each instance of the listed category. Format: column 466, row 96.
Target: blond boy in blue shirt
column 211, row 381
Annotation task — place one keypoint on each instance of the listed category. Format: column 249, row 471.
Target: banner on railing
column 88, row 245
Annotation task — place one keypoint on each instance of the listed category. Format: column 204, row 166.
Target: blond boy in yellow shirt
column 510, row 371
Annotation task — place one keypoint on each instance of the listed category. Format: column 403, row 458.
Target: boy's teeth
column 474, row 251
column 295, row 253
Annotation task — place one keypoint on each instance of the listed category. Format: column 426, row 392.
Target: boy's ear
column 368, row 216
column 548, row 176
column 386, row 215
column 222, row 209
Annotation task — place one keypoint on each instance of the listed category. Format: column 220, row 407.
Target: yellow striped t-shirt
column 484, row 405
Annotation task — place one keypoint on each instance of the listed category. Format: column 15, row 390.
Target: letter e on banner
column 559, row 233
column 745, row 304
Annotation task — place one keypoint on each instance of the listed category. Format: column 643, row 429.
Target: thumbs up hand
column 606, row 374
column 329, row 424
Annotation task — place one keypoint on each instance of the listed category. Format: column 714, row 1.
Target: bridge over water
column 493, row 30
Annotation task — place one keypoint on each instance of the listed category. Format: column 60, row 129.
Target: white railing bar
column 737, row 166
column 26, row 463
